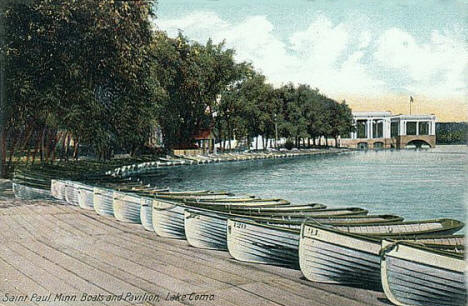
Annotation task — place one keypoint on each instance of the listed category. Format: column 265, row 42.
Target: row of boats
column 413, row 262
column 181, row 160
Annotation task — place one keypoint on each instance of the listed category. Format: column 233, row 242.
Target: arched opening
column 362, row 146
column 378, row 145
column 418, row 144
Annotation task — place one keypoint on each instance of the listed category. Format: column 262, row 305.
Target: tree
column 83, row 68
column 192, row 76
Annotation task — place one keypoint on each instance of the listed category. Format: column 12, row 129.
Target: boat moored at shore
column 340, row 255
column 126, row 207
column 259, row 243
column 103, row 201
column 412, row 274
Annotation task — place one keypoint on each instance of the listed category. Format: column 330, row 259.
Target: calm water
column 412, row 184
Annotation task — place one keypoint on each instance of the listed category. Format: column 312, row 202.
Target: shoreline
column 180, row 160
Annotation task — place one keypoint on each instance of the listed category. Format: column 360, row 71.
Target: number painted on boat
column 240, row 225
column 310, row 231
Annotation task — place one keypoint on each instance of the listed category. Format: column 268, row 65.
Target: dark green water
column 413, row 184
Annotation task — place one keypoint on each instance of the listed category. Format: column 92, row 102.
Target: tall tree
column 192, row 76
column 82, row 67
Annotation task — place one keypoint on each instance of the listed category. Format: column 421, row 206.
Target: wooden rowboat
column 27, row 192
column 298, row 211
column 103, row 199
column 260, row 243
column 126, row 207
column 146, row 213
column 236, row 204
column 207, row 229
column 86, row 197
column 418, row 275
column 334, row 255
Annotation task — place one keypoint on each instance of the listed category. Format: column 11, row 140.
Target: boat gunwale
column 424, row 247
column 380, row 237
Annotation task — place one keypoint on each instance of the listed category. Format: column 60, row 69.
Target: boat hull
column 168, row 219
column 25, row 192
column 255, row 243
column 103, row 201
column 57, row 189
column 86, row 197
column 205, row 230
column 417, row 276
column 329, row 257
column 72, row 192
column 126, row 207
column 146, row 213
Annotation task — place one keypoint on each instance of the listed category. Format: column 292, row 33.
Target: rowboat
column 103, row 201
column 260, row 243
column 57, row 189
column 237, row 204
column 195, row 196
column 168, row 215
column 418, row 275
column 86, row 197
column 126, row 207
column 207, row 229
column 71, row 192
column 146, row 213
column 281, row 209
column 350, row 254
column 168, row 219
column 298, row 211
column 26, row 192
column 168, row 212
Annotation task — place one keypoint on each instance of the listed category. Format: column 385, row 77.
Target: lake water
column 413, row 184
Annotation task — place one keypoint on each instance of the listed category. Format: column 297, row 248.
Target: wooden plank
column 48, row 282
column 101, row 279
column 42, row 261
column 13, row 282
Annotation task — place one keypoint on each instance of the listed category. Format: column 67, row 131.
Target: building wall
column 387, row 141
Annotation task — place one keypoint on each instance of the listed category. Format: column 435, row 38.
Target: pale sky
column 373, row 54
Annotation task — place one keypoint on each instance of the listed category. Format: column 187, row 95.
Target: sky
column 373, row 54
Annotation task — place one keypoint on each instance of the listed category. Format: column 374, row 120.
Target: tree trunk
column 36, row 148
column 59, row 138
column 44, row 130
column 67, row 146
column 12, row 153
column 62, row 153
column 336, row 142
column 28, row 134
column 51, row 145
column 77, row 145
column 3, row 157
column 326, row 141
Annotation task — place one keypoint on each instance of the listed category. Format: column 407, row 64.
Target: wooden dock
column 63, row 254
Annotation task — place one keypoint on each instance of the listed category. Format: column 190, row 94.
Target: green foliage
column 97, row 72
column 192, row 77
column 451, row 132
column 84, row 67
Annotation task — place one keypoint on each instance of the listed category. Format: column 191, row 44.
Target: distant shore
column 187, row 160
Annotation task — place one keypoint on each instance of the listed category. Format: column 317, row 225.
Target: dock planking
column 53, row 248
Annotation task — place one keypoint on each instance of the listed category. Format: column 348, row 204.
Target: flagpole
column 410, row 102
